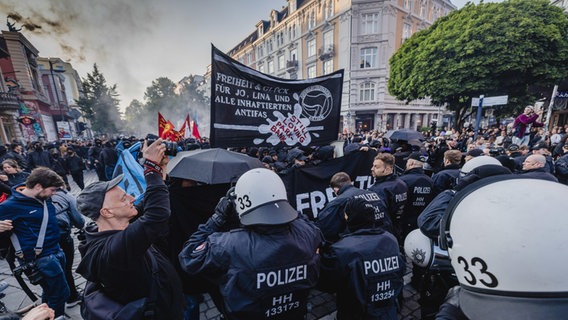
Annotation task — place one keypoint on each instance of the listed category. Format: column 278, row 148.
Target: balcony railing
column 9, row 101
column 291, row 66
column 326, row 52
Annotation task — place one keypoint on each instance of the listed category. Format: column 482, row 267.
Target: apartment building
column 310, row 38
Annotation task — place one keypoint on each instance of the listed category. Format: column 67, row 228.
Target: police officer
column 534, row 166
column 364, row 267
column 331, row 219
column 445, row 179
column 420, row 191
column 389, row 188
column 505, row 273
column 265, row 269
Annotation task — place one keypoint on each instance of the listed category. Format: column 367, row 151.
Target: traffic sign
column 490, row 101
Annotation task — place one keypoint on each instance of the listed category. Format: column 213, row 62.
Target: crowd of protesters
column 414, row 181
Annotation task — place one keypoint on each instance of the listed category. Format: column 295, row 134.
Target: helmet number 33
column 477, row 266
column 244, row 202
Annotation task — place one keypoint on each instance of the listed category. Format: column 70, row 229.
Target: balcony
column 9, row 102
column 291, row 66
column 326, row 53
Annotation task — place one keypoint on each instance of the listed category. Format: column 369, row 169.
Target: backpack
column 98, row 306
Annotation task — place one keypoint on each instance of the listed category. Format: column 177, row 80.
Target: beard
column 41, row 197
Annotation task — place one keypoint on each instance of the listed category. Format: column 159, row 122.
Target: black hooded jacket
column 118, row 259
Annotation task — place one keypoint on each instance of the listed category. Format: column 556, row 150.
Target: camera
column 31, row 270
column 171, row 147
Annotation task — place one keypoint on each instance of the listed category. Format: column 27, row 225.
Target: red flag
column 184, row 131
column 161, row 124
column 195, row 129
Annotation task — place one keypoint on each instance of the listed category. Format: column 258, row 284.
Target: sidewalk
column 322, row 305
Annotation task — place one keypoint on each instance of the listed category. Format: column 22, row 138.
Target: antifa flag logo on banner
column 251, row 108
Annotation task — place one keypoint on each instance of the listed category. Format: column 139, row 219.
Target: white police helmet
column 508, row 242
column 425, row 253
column 418, row 248
column 260, row 198
column 478, row 162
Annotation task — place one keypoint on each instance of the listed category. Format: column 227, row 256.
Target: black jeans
column 78, row 178
column 67, row 245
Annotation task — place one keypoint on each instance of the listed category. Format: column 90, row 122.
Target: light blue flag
column 133, row 182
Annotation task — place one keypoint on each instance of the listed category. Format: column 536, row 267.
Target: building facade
column 310, row 38
column 44, row 91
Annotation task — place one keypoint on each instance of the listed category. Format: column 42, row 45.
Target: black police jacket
column 420, row 194
column 394, row 192
column 539, row 173
column 445, row 179
column 261, row 271
column 331, row 220
column 365, row 269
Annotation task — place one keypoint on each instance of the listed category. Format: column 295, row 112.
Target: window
column 281, row 62
column 327, row 40
column 406, row 31
column 328, row 66
column 249, row 58
column 311, row 72
column 370, row 23
column 367, row 92
column 407, row 4
column 293, row 55
column 261, row 68
column 271, row 66
column 311, row 48
column 329, row 9
column 311, row 20
column 368, row 58
column 422, row 8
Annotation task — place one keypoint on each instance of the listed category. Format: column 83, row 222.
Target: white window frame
column 370, row 23
column 368, row 57
column 311, row 72
column 311, row 48
column 328, row 66
column 367, row 92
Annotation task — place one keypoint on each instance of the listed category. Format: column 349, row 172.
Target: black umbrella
column 404, row 134
column 211, row 166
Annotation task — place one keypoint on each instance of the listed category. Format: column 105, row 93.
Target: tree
column 161, row 97
column 517, row 48
column 133, row 116
column 99, row 103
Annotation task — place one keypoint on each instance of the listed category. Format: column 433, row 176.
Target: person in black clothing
column 38, row 157
column 365, row 267
column 13, row 173
column 390, row 189
column 15, row 153
column 331, row 219
column 561, row 166
column 59, row 165
column 245, row 263
column 420, row 192
column 534, row 167
column 445, row 179
column 108, row 159
column 75, row 165
column 119, row 255
column 191, row 205
column 94, row 154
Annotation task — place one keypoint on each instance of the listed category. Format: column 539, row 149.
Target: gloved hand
column 453, row 296
column 225, row 216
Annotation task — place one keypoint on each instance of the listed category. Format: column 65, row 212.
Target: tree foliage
column 173, row 101
column 99, row 103
column 517, row 48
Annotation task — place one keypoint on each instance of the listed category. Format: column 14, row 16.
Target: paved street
column 322, row 304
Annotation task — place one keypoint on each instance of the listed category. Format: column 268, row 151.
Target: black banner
column 308, row 188
column 250, row 108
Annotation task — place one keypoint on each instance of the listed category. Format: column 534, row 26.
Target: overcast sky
column 134, row 42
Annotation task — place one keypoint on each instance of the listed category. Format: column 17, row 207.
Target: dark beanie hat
column 360, row 214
